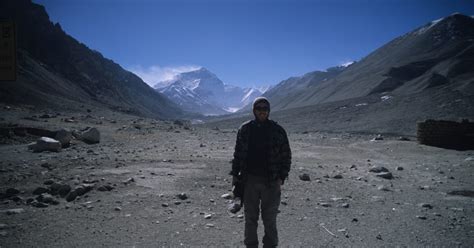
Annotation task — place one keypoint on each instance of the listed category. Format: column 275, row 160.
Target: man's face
column 261, row 111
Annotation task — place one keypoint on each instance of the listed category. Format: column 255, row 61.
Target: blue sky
column 244, row 42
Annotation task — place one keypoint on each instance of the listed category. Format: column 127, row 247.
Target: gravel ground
column 343, row 204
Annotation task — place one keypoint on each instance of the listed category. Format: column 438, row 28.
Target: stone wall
column 446, row 134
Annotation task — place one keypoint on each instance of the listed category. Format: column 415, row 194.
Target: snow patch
column 427, row 27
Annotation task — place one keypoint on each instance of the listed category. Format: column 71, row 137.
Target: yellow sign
column 7, row 51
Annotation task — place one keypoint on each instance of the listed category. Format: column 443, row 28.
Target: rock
column 91, row 136
column 11, row 192
column 421, row 217
column 118, row 209
column 403, row 138
column 386, row 175
column 227, row 196
column 54, row 188
column 378, row 137
column 64, row 189
column 47, row 166
column 338, row 176
column 45, row 144
column 48, row 182
column 13, row 211
column 325, row 204
column 64, row 137
column 105, row 188
column 345, row 205
column 240, row 216
column 378, row 169
column 210, row 225
column 164, row 205
column 71, row 196
column 47, row 198
column 234, row 207
column 207, row 216
column 425, row 205
column 177, row 203
column 130, row 180
column 38, row 204
column 40, row 190
column 469, row 159
column 383, row 188
column 468, row 193
column 182, row 196
column 304, row 177
column 399, row 168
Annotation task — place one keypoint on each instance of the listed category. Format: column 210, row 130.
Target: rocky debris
column 399, row 168
column 118, row 209
column 129, row 180
column 383, row 188
column 40, row 190
column 207, row 216
column 105, row 188
column 11, row 192
column 304, row 177
column 378, row 137
column 38, row 204
column 59, row 189
column 385, row 175
column 421, row 217
column 48, row 182
column 47, row 166
column 210, row 225
column 425, row 205
column 13, row 211
column 345, row 205
column 47, row 198
column 337, row 176
column 468, row 193
column 469, row 159
column 401, row 138
column 324, row 204
column 90, row 136
column 45, row 144
column 79, row 191
column 165, row 205
column 378, row 169
column 182, row 196
column 64, row 137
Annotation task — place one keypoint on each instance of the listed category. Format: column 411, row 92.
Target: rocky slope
column 56, row 71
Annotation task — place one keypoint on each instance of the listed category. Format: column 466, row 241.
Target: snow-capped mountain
column 201, row 91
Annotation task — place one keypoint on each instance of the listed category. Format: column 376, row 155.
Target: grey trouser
column 264, row 195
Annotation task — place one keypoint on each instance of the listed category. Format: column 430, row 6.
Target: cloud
column 156, row 75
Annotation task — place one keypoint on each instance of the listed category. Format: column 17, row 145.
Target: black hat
column 259, row 100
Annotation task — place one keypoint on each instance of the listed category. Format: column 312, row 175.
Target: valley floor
column 342, row 205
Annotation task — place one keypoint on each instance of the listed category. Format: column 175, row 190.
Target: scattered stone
column 325, row 204
column 105, row 188
column 355, row 220
column 38, row 204
column 71, row 196
column 177, row 203
column 234, row 207
column 345, row 205
column 379, row 236
column 353, row 167
column 227, row 196
column 45, row 144
column 47, row 166
column 64, row 189
column 210, row 225
column 469, row 159
column 378, row 169
column 399, row 168
column 64, row 137
column 165, row 205
column 48, row 182
column 47, row 198
column 118, row 209
column 425, row 205
column 182, row 196
column 304, row 177
column 425, row 187
column 386, row 175
column 383, row 188
column 421, row 217
column 91, row 136
column 207, row 216
column 40, row 190
column 401, row 138
column 11, row 192
column 13, row 211
column 130, row 180
column 468, row 193
column 338, row 176
column 240, row 216
column 378, row 137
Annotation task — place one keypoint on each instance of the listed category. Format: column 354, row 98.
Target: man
column 262, row 160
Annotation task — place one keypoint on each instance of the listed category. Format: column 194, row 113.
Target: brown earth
column 166, row 159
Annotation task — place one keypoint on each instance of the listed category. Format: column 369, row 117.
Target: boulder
column 91, row 136
column 64, row 137
column 304, row 177
column 45, row 144
column 378, row 169
column 386, row 175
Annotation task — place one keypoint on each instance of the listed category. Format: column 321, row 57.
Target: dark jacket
column 279, row 161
